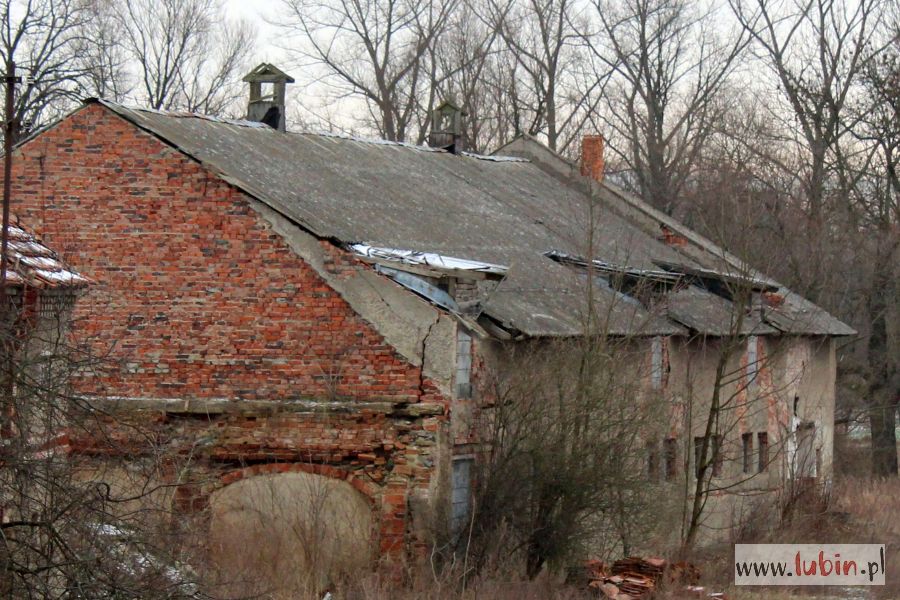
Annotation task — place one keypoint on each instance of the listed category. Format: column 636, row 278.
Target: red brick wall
column 196, row 295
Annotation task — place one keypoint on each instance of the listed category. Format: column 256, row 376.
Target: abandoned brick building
column 315, row 307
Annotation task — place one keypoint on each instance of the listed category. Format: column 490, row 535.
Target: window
column 806, row 459
column 698, row 455
column 762, row 439
column 718, row 454
column 652, row 461
column 713, row 455
column 461, row 494
column 463, row 364
column 670, row 449
column 747, row 447
column 656, row 363
column 752, row 360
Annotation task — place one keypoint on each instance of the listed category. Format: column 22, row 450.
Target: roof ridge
column 183, row 114
column 180, row 114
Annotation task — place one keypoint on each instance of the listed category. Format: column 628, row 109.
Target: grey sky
column 256, row 11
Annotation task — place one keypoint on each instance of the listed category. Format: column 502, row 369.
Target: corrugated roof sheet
column 31, row 262
column 498, row 211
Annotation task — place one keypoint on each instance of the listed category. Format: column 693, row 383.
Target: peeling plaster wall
column 807, row 370
column 789, row 366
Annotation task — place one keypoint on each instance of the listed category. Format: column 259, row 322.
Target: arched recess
column 288, row 532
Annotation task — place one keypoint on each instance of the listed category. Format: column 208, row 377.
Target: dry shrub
column 852, row 456
column 860, row 510
column 873, row 508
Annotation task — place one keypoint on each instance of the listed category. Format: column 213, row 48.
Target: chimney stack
column 446, row 127
column 592, row 164
column 267, row 95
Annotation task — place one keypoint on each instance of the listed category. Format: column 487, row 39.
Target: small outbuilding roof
column 31, row 263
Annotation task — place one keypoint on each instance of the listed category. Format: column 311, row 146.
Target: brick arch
column 278, row 510
column 388, row 503
column 365, row 488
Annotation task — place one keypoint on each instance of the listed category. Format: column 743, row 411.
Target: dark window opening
column 671, row 456
column 698, row 456
column 747, row 445
column 717, row 455
column 652, row 461
column 762, row 439
column 463, row 364
column 461, row 493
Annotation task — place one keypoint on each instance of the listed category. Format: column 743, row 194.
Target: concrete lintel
column 202, row 406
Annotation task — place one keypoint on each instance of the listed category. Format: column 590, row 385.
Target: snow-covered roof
column 428, row 259
column 32, row 263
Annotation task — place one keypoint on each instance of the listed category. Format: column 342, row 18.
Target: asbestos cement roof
column 423, row 203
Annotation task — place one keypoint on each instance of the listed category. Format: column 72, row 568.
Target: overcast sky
column 256, row 11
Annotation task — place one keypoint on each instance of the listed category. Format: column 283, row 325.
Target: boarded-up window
column 461, row 494
column 762, row 439
column 747, row 447
column 805, row 458
column 670, row 449
column 752, row 360
column 656, row 363
column 463, row 364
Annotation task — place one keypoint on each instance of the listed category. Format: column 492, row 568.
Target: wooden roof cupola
column 446, row 127
column 267, row 95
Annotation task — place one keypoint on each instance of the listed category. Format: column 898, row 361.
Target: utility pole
column 7, row 316
column 9, row 134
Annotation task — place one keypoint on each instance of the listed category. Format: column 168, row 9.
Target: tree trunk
column 882, row 419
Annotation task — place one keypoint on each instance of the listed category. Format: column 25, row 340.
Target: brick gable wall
column 198, row 299
column 196, row 296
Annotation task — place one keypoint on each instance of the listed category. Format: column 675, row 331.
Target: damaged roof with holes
column 490, row 210
column 32, row 263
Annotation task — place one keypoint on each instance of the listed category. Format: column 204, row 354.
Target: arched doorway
column 288, row 532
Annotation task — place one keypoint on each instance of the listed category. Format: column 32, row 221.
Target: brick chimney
column 267, row 95
column 592, row 157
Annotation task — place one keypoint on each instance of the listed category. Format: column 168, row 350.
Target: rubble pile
column 636, row 578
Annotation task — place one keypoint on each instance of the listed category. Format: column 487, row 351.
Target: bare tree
column 377, row 52
column 829, row 144
column 562, row 426
column 103, row 59
column 664, row 104
column 466, row 62
column 185, row 56
column 817, row 51
column 554, row 87
column 879, row 210
column 42, row 37
column 71, row 527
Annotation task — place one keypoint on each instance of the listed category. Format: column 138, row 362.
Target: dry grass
column 487, row 587
column 860, row 511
